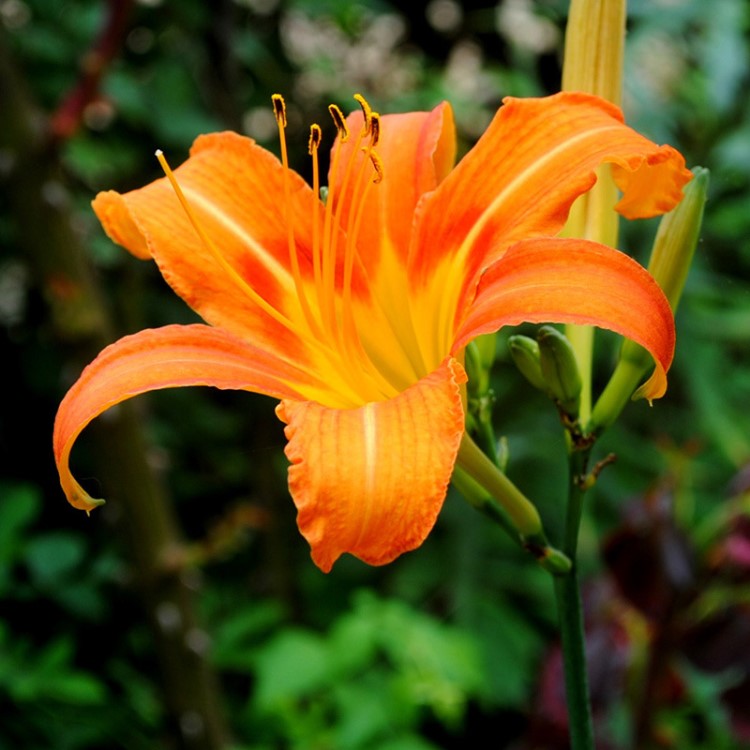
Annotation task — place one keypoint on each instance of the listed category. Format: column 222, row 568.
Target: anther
column 374, row 128
column 279, row 109
column 339, row 121
column 378, row 166
column 315, row 138
column 366, row 111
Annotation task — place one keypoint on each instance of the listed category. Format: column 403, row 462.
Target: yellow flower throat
column 350, row 358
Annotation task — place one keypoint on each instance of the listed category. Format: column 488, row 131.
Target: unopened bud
column 525, row 354
column 480, row 356
column 486, row 345
column 677, row 238
column 477, row 376
column 560, row 369
column 671, row 256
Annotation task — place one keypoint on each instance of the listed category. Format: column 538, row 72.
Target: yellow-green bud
column 479, row 358
column 677, row 238
column 479, row 376
column 525, row 354
column 486, row 345
column 560, row 369
column 671, row 256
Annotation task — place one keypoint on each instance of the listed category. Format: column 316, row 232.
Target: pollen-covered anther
column 339, row 121
column 377, row 165
column 374, row 128
column 366, row 111
column 279, row 109
column 316, row 136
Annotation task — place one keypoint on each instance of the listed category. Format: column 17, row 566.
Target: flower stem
column 570, row 613
column 574, row 661
column 487, row 488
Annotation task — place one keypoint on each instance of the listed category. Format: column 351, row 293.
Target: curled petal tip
column 81, row 500
column 655, row 387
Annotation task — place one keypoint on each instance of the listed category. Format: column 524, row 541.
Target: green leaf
column 19, row 508
column 53, row 557
column 294, row 664
column 237, row 635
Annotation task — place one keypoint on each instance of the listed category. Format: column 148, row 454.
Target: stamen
column 218, row 257
column 315, row 137
column 339, row 121
column 279, row 111
column 347, row 329
column 378, row 166
column 348, row 333
column 332, row 219
column 312, row 148
column 374, row 129
column 366, row 111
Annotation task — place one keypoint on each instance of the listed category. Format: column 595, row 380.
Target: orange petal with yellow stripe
column 371, row 481
column 536, row 157
column 233, row 188
column 167, row 357
column 575, row 281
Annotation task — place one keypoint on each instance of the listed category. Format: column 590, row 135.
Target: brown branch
column 67, row 118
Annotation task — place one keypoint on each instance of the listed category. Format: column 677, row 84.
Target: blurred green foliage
column 452, row 642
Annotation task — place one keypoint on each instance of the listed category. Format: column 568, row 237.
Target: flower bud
column 525, row 354
column 593, row 62
column 486, row 346
column 677, row 238
column 594, row 48
column 671, row 257
column 479, row 358
column 560, row 369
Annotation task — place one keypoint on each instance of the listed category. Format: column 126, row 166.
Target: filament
column 279, row 109
column 219, row 258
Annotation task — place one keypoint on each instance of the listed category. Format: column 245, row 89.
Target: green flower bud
column 671, row 257
column 479, row 375
column 677, row 238
column 560, row 369
column 525, row 354
column 486, row 345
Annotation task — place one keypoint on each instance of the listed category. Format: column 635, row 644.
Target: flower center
column 328, row 303
column 335, row 315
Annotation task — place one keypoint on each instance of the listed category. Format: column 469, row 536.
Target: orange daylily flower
column 355, row 311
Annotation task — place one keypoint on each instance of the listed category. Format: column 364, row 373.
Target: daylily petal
column 166, row 357
column 371, row 481
column 518, row 182
column 417, row 151
column 235, row 189
column 575, row 281
column 521, row 178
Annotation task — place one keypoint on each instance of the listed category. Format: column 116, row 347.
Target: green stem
column 487, row 488
column 520, row 510
column 633, row 365
column 570, row 612
column 574, row 661
column 582, row 340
